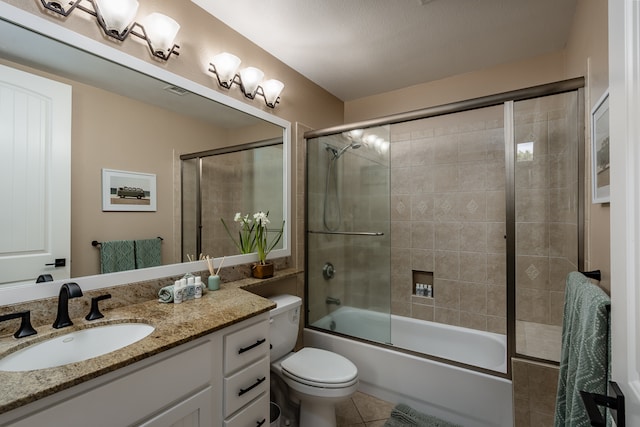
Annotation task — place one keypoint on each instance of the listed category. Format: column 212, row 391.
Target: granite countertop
column 175, row 324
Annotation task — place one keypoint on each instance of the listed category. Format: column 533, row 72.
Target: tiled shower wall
column 448, row 217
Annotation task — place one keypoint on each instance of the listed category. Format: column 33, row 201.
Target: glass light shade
column 370, row 139
column 355, row 134
column 161, row 31
column 272, row 89
column 251, row 77
column 117, row 14
column 226, row 66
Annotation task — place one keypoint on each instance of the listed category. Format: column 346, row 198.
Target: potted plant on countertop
column 264, row 269
column 254, row 235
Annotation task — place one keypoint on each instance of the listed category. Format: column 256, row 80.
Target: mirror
column 176, row 115
column 218, row 184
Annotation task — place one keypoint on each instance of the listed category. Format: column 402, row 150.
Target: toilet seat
column 320, row 368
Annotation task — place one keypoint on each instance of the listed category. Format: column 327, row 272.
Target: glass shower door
column 546, row 133
column 348, row 233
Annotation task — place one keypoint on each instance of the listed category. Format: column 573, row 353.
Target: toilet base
column 290, row 415
column 317, row 415
column 320, row 411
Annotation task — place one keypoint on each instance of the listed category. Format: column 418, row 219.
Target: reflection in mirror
column 129, row 120
column 217, row 184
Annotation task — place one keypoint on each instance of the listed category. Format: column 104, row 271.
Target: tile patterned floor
column 363, row 410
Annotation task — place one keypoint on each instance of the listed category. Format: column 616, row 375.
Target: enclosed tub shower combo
column 438, row 243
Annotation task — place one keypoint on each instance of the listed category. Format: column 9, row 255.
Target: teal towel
column 404, row 415
column 584, row 357
column 148, row 253
column 166, row 294
column 117, row 255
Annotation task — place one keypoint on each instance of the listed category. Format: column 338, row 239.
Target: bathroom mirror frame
column 11, row 294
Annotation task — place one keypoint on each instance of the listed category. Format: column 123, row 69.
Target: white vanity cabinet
column 189, row 385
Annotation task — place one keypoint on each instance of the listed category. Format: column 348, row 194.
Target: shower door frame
column 507, row 99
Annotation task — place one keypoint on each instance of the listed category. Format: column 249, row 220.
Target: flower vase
column 262, row 271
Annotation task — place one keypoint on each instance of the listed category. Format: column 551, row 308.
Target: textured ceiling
column 356, row 48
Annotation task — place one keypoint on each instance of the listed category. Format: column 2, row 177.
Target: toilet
column 317, row 378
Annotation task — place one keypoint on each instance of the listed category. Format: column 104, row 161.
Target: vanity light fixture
column 225, row 66
column 116, row 18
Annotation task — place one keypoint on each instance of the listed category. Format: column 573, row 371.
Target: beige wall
column 503, row 78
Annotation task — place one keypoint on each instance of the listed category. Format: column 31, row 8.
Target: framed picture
column 128, row 191
column 600, row 150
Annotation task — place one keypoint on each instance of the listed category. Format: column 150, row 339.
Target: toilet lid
column 314, row 365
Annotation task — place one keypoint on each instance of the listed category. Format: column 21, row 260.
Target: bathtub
column 453, row 393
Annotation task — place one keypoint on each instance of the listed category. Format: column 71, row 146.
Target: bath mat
column 403, row 416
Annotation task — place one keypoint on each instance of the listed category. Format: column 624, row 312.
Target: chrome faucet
column 332, row 300
column 67, row 291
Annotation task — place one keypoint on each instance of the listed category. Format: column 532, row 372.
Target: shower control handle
column 328, row 271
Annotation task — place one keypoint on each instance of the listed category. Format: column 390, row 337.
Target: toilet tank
column 285, row 322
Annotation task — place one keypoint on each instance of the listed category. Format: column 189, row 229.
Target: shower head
column 332, row 150
column 337, row 153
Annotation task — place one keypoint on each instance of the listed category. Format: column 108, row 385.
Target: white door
column 624, row 116
column 35, row 177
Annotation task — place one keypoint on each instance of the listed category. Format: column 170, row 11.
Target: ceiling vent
column 176, row 90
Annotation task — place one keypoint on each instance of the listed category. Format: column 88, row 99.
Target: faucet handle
column 94, row 313
column 25, row 329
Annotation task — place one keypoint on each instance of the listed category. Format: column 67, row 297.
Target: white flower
column 261, row 219
column 238, row 217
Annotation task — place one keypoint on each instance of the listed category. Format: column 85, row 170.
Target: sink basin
column 75, row 346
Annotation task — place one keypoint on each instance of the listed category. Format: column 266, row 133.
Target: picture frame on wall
column 600, row 166
column 128, row 191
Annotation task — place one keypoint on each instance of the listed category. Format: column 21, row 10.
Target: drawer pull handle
column 264, row 420
column 262, row 341
column 256, row 384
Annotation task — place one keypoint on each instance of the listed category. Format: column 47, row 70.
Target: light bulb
column 161, row 31
column 272, row 89
column 250, row 77
column 226, row 65
column 117, row 15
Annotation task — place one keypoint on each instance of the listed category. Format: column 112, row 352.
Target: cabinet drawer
column 254, row 415
column 245, row 346
column 246, row 385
